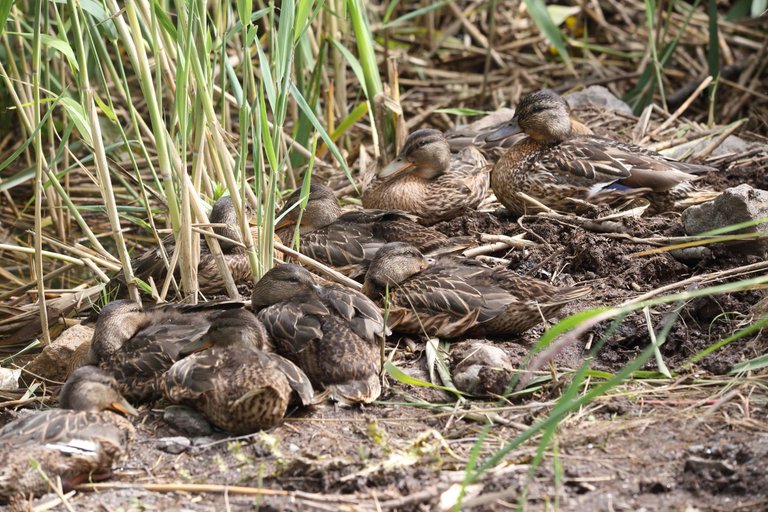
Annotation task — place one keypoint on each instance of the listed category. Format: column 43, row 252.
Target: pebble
column 597, row 96
column 55, row 361
column 187, row 420
column 174, row 445
column 481, row 368
column 735, row 205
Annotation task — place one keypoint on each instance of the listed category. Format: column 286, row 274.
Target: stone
column 481, row 369
column 9, row 379
column 597, row 97
column 56, row 361
column 735, row 205
column 732, row 145
column 187, row 420
column 174, row 445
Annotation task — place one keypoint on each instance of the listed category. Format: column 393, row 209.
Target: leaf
column 61, row 46
column 400, row 376
column 559, row 13
column 753, row 364
column 5, row 10
column 105, row 108
column 462, row 111
column 541, row 17
column 413, row 14
column 302, row 103
column 102, row 18
column 77, row 114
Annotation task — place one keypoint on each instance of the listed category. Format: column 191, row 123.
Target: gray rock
column 731, row 145
column 597, row 96
column 56, row 359
column 735, row 205
column 187, row 420
column 174, row 445
column 480, row 368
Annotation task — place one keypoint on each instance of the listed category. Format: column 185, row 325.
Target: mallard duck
column 138, row 345
column 568, row 171
column 426, row 180
column 331, row 332
column 81, row 441
column 348, row 241
column 450, row 297
column 151, row 263
column 494, row 133
column 478, row 134
column 237, row 383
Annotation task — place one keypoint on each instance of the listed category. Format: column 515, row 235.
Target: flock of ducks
column 302, row 339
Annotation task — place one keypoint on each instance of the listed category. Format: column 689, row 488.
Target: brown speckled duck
column 348, row 241
column 426, row 180
column 570, row 171
column 331, row 332
column 494, row 133
column 451, row 297
column 237, row 383
column 138, row 345
column 78, row 442
column 151, row 263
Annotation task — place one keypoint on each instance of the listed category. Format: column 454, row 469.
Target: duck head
column 426, row 154
column 229, row 328
column 543, row 115
column 224, row 213
column 394, row 263
column 321, row 209
column 118, row 322
column 282, row 283
column 91, row 389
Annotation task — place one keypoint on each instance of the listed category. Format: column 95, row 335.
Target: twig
column 306, row 260
column 513, row 241
column 25, row 401
column 713, row 276
column 716, row 143
column 687, row 103
column 48, row 505
column 485, row 249
column 218, row 489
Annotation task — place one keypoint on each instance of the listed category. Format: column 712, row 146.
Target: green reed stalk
column 38, row 144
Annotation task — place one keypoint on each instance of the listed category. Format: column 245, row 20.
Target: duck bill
column 508, row 130
column 197, row 345
column 395, row 167
column 124, row 407
column 284, row 223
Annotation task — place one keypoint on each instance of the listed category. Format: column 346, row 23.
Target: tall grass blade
column 540, row 14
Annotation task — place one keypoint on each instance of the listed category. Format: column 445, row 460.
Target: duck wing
column 341, row 244
column 446, row 301
column 606, row 160
column 294, row 325
column 362, row 314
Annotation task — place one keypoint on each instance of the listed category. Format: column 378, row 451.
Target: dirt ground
column 697, row 442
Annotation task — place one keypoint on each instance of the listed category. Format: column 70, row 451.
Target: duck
column 333, row 333
column 559, row 168
column 426, row 180
column 450, row 297
column 238, row 383
column 478, row 134
column 348, row 241
column 494, row 133
column 78, row 442
column 137, row 345
column 151, row 264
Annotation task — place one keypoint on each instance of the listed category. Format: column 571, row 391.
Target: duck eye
column 538, row 108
